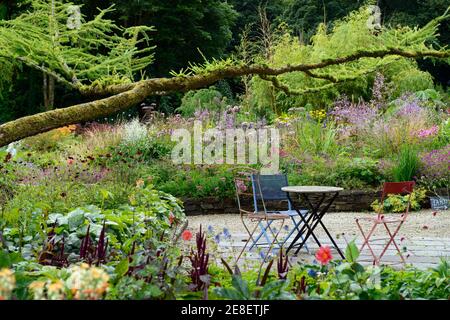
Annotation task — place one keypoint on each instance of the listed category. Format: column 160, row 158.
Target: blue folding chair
column 267, row 188
column 243, row 187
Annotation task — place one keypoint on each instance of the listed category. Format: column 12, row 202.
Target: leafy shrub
column 357, row 173
column 398, row 203
column 358, row 169
column 203, row 99
column 351, row 281
column 194, row 182
column 50, row 141
column 144, row 213
column 317, row 138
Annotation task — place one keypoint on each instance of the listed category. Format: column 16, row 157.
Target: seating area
column 265, row 231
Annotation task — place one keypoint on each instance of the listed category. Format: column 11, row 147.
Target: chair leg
column 275, row 239
column 268, row 251
column 392, row 240
column 275, row 234
column 366, row 240
column 261, row 234
column 247, row 229
column 246, row 243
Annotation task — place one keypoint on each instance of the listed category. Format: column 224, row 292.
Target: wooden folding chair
column 244, row 189
column 401, row 188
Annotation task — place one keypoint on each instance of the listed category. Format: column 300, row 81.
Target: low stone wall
column 350, row 201
column 347, row 201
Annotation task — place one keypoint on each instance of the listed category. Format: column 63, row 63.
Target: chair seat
column 380, row 220
column 293, row 213
column 269, row 216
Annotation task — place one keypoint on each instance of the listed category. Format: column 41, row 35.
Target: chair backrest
column 402, row 188
column 406, row 187
column 268, row 188
column 245, row 189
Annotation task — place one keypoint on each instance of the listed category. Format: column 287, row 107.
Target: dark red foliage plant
column 94, row 254
column 282, row 266
column 199, row 260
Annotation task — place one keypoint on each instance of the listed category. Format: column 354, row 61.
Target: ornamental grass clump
column 407, row 164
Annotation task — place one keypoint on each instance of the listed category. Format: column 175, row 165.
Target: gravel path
column 419, row 224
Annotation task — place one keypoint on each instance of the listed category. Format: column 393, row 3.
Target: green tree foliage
column 183, row 27
column 305, row 16
column 418, row 13
column 348, row 35
column 203, row 99
column 95, row 51
column 248, row 11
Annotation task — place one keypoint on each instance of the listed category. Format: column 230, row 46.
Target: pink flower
column 425, row 133
column 70, row 161
column 323, row 255
column 241, row 186
column 283, row 153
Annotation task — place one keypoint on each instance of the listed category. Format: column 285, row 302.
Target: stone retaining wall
column 347, row 201
column 354, row 201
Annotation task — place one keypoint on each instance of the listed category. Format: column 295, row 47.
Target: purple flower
column 226, row 233
column 435, row 166
column 262, row 255
column 354, row 116
column 425, row 133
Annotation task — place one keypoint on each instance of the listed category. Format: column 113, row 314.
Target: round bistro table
column 317, row 212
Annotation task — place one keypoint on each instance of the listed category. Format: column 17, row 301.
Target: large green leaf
column 352, row 252
column 122, row 267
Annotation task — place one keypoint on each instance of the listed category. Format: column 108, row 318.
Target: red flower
column 324, row 255
column 186, row 235
column 70, row 161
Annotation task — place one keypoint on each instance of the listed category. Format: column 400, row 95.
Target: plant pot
column 439, row 203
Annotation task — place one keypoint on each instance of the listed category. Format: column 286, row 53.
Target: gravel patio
column 424, row 238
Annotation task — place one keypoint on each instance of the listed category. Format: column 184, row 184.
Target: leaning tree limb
column 240, row 71
column 125, row 96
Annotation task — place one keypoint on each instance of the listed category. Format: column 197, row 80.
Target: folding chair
column 270, row 190
column 243, row 185
column 401, row 188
